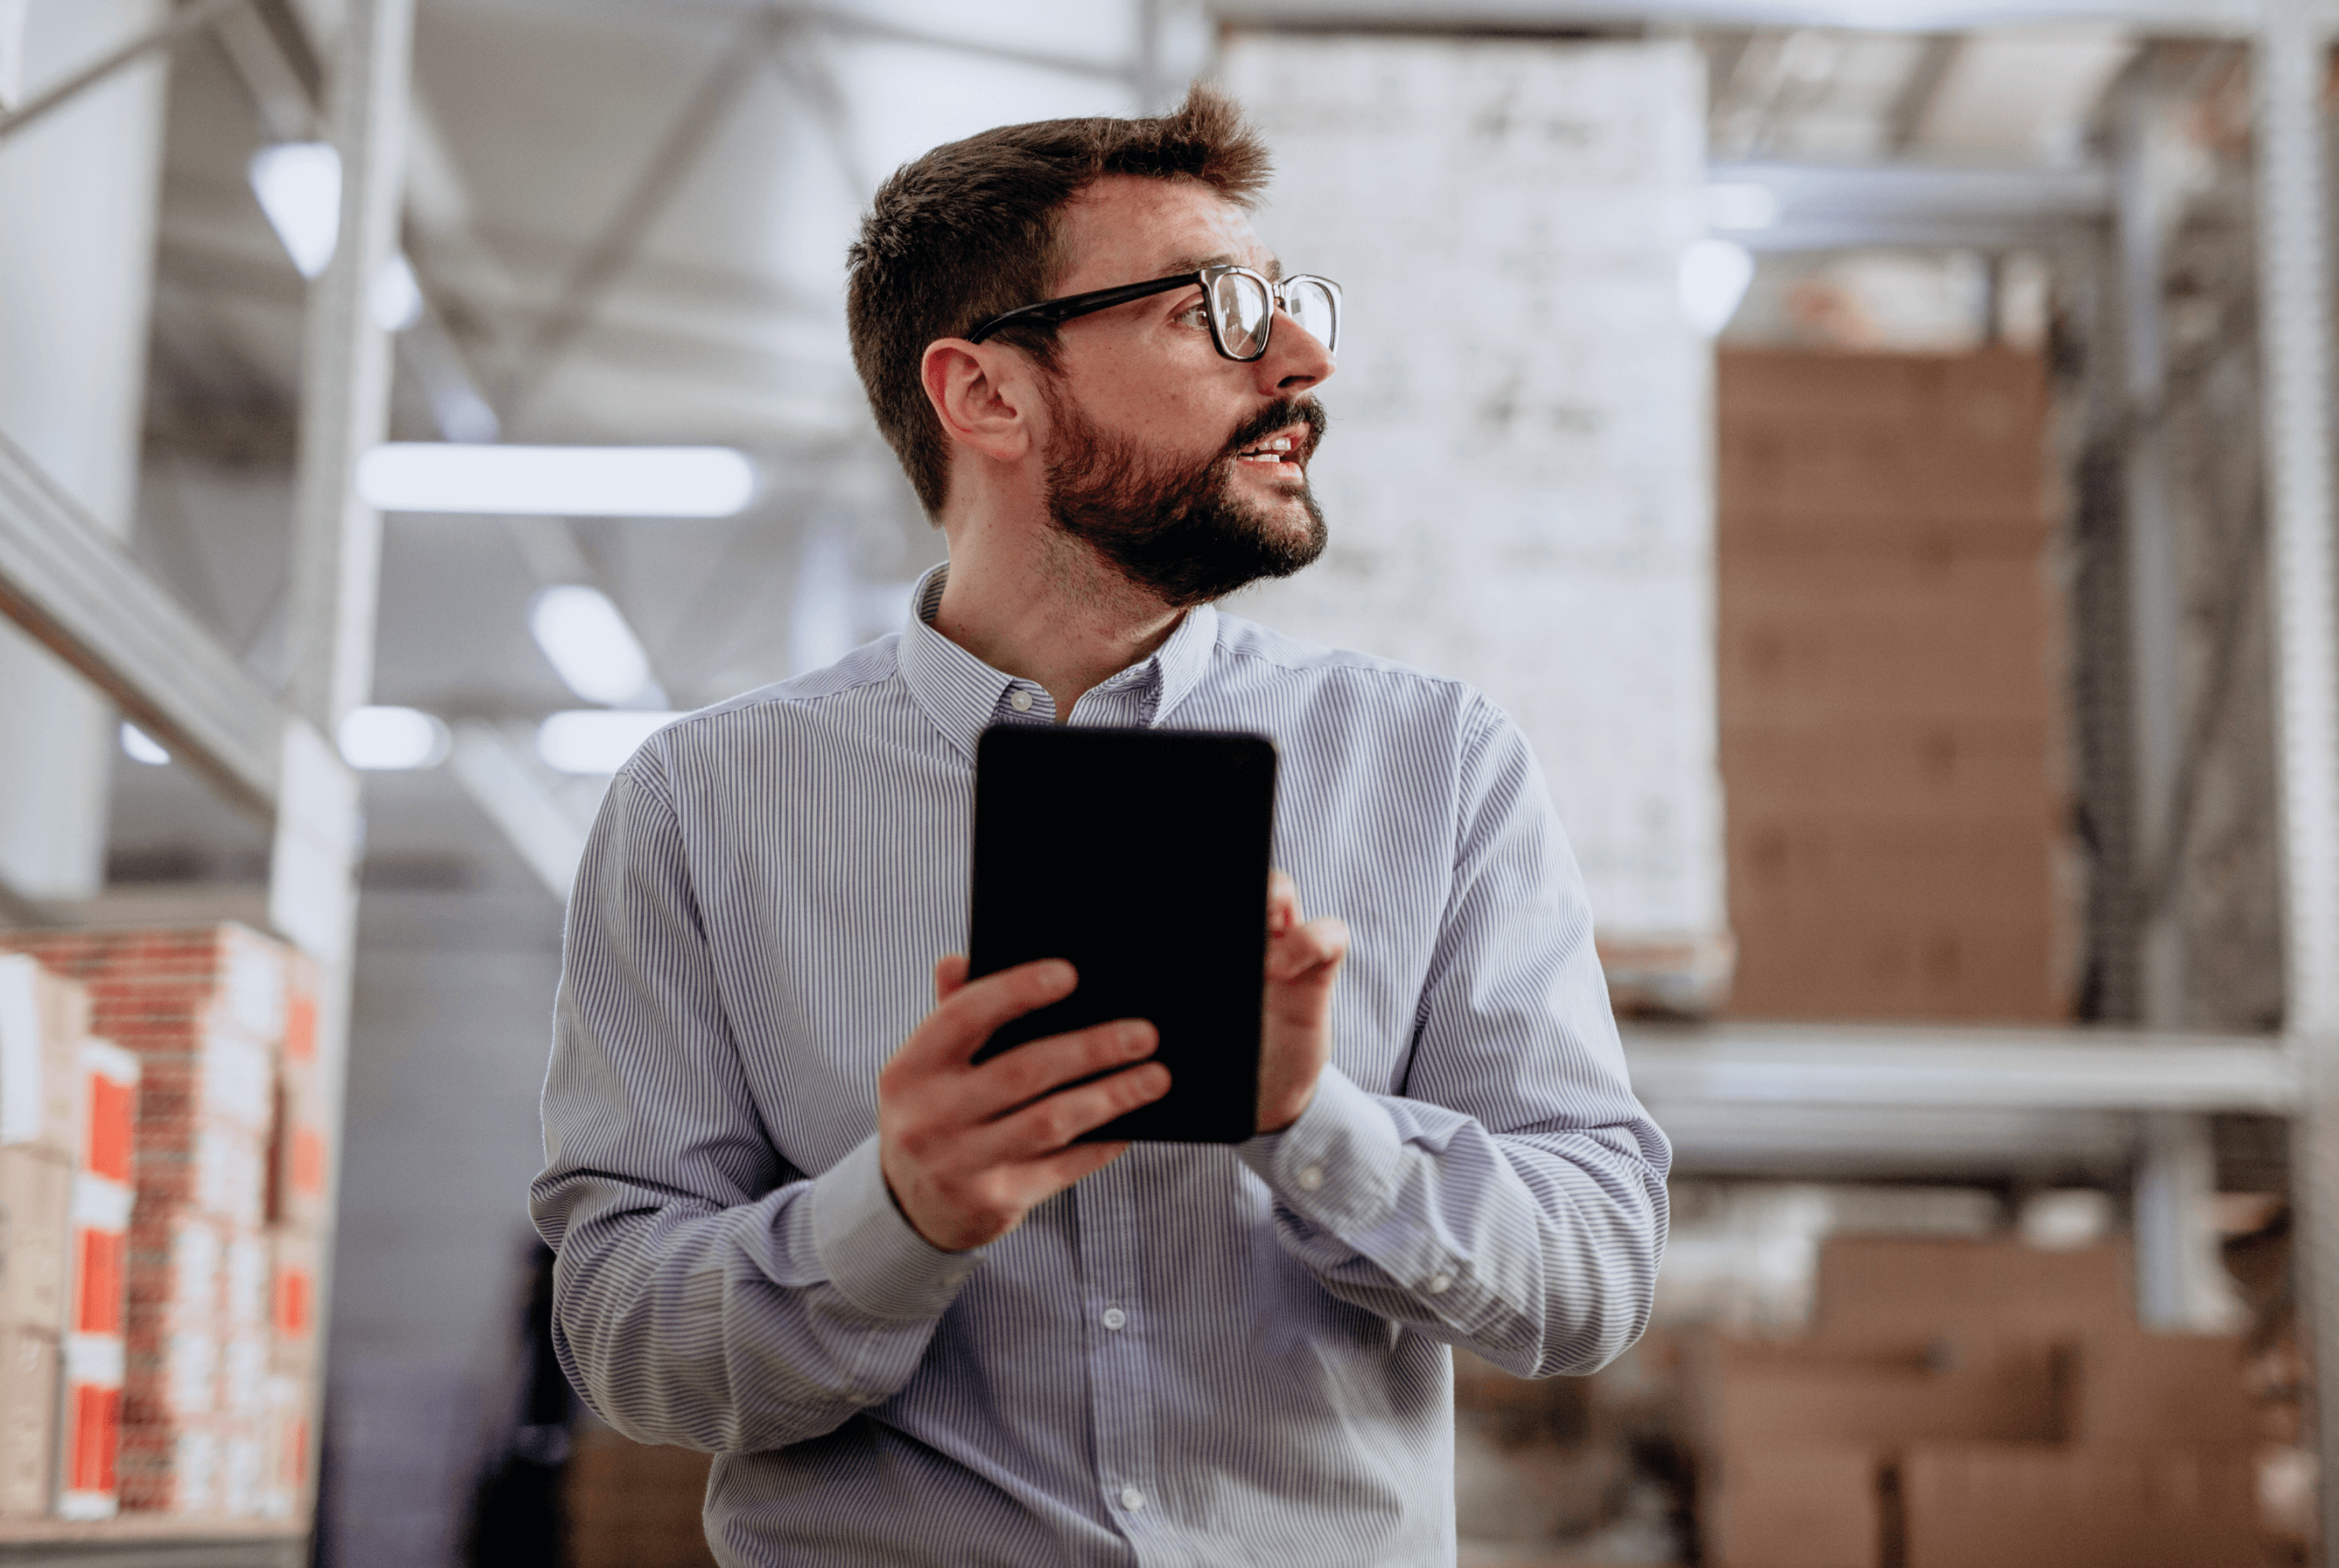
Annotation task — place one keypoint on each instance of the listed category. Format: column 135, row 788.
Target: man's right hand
column 968, row 1149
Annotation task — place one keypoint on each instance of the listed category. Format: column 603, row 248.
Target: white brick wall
column 1519, row 477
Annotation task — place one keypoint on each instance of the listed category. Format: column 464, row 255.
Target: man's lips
column 1288, row 447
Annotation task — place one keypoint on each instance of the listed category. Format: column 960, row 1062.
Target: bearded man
column 800, row 1226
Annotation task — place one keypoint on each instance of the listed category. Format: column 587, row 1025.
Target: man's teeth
column 1267, row 450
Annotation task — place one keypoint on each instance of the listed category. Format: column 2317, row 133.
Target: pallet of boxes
column 1959, row 1403
column 219, row 1174
column 67, row 1104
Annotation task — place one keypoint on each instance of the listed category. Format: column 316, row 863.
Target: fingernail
column 1136, row 1037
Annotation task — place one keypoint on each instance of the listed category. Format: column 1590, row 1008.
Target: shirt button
column 1132, row 1498
column 1311, row 1179
column 1020, row 700
column 1114, row 1318
column 1437, row 1284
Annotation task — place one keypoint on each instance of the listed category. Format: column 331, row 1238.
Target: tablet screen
column 1141, row 856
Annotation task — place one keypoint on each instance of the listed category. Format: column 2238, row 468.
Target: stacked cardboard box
column 98, row 1295
column 66, row 1104
column 1887, row 698
column 631, row 1506
column 43, row 1021
column 225, row 1142
column 1961, row 1402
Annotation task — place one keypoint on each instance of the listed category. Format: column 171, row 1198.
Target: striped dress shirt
column 1198, row 1355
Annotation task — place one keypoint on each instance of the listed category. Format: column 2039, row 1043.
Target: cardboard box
column 298, row 1151
column 296, row 1260
column 284, row 1493
column 28, row 1420
column 205, row 1013
column 630, row 1503
column 2015, row 1505
column 98, row 1300
column 43, row 1019
column 2137, row 1390
column 1891, row 1290
column 35, row 1213
column 1805, row 1393
column 1791, row 1505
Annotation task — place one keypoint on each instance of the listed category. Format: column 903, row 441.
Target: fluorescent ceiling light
column 596, row 740
column 1732, row 205
column 558, row 481
column 396, row 298
column 589, row 644
column 140, row 748
column 298, row 184
column 393, row 740
column 1713, row 278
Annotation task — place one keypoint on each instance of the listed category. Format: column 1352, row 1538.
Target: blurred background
column 1879, row 452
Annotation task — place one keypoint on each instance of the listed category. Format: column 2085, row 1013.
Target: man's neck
column 1039, row 606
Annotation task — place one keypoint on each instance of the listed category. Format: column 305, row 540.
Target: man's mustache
column 1280, row 415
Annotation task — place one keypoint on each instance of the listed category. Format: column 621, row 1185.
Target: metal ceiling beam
column 621, row 235
column 184, row 23
column 76, row 589
column 1831, row 206
column 2215, row 18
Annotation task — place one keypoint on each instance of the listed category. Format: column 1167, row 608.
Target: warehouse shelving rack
column 1820, row 1099
column 77, row 590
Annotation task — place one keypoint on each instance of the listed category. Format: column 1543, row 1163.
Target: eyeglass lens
column 1243, row 307
column 1311, row 306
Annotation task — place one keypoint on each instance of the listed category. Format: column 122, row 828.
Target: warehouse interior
column 1897, row 508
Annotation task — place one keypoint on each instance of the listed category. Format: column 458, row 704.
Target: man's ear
column 982, row 394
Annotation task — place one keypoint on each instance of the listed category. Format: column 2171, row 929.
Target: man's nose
column 1295, row 360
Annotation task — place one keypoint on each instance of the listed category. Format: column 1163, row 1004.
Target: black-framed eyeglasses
column 1241, row 305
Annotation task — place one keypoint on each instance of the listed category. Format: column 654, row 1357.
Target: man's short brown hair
column 971, row 230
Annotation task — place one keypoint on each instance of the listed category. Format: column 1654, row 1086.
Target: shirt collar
column 962, row 694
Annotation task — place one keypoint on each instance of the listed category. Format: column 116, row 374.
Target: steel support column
column 2179, row 1284
column 337, row 537
column 2294, row 349
column 2155, row 568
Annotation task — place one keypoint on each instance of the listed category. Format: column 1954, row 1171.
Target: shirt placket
column 1118, row 1330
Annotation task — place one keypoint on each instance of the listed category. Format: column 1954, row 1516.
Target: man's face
column 1185, row 470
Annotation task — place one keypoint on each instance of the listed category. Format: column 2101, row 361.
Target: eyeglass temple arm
column 1052, row 311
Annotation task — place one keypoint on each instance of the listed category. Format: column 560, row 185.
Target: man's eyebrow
column 1274, row 268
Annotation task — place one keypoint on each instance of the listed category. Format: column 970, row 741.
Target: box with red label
column 297, row 1173
column 98, row 1298
column 293, row 1299
column 90, row 1428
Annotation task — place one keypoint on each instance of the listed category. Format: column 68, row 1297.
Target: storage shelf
column 1836, row 1100
column 135, row 1541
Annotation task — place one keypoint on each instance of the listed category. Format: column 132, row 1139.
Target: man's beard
column 1183, row 534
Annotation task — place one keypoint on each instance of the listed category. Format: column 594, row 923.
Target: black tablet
column 1141, row 856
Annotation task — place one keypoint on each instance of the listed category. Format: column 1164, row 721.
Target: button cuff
column 870, row 1252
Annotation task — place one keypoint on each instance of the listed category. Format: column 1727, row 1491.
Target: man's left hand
column 1302, row 960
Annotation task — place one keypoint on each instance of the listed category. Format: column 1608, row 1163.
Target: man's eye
column 1194, row 315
